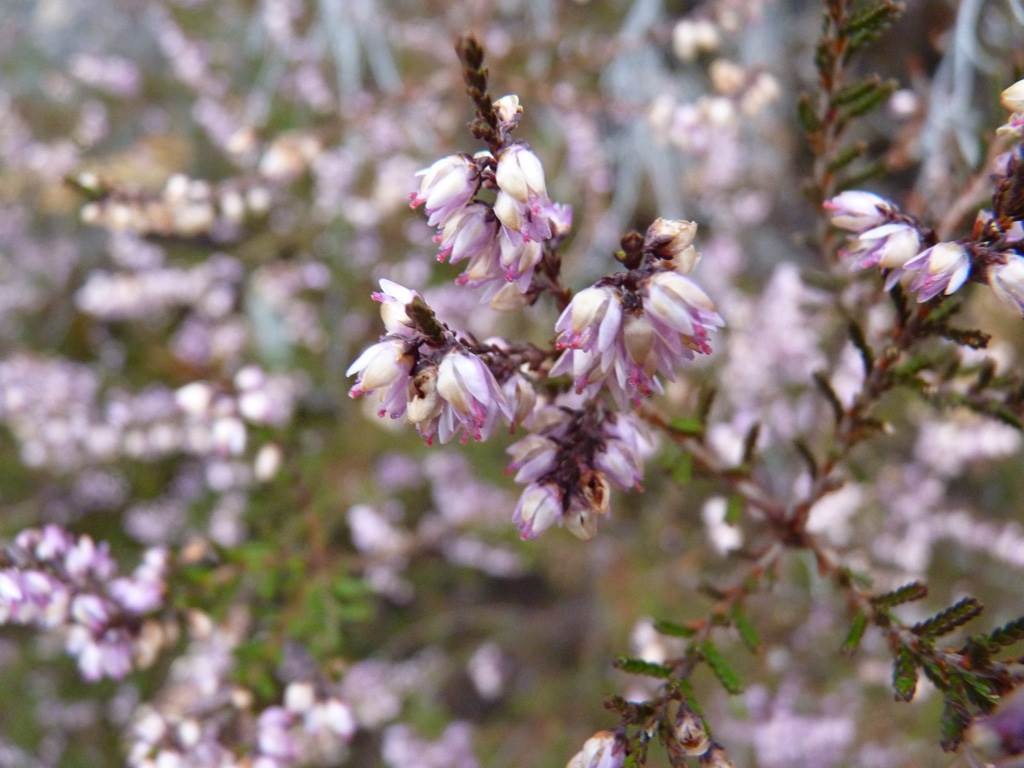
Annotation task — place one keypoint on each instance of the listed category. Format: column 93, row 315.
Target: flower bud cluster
column 887, row 239
column 630, row 326
column 890, row 240
column 199, row 720
column 602, row 750
column 184, row 208
column 419, row 370
column 567, row 462
column 502, row 240
column 55, row 581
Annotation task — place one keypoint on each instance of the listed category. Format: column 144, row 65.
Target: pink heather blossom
column 889, row 246
column 532, row 457
column 445, row 187
column 522, row 204
column 539, row 507
column 602, row 750
column 672, row 322
column 394, row 298
column 626, row 445
column 71, row 586
column 1007, row 281
column 857, row 211
column 672, row 240
column 943, row 268
column 384, row 368
column 470, row 395
column 470, row 234
column 566, row 465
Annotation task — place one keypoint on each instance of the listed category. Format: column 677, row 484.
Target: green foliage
column 904, row 674
column 721, row 668
column 1008, row 634
column 640, row 667
column 672, row 629
column 946, row 621
column 908, row 593
column 855, row 634
column 747, row 631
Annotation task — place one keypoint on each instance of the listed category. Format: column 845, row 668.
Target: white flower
column 1013, row 97
column 1007, row 280
column 856, row 211
column 943, row 268
column 539, row 507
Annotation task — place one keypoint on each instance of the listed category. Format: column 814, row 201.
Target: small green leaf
column 915, row 590
column 734, row 510
column 672, row 629
column 954, row 721
column 1008, row 634
column 904, row 675
column 641, row 667
column 687, row 426
column 805, row 112
column 748, row 632
column 856, row 634
column 946, row 621
column 722, row 669
column 682, row 468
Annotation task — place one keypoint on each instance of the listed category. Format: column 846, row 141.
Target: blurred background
column 262, row 154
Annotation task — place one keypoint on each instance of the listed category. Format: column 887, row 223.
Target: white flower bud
column 1013, row 97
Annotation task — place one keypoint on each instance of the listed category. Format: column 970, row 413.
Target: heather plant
column 729, row 294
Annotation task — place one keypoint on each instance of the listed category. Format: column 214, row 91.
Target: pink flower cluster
column 567, row 462
column 890, row 240
column 630, row 326
column 435, row 381
column 501, row 241
column 55, row 581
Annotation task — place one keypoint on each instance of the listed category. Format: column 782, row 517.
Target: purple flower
column 670, row 318
column 385, row 367
column 522, row 205
column 472, row 399
column 393, row 299
column 538, row 508
column 626, row 446
column 672, row 240
column 857, row 211
column 469, row 234
column 1007, row 281
column 602, row 750
column 889, row 246
column 532, row 457
column 943, row 268
column 445, row 187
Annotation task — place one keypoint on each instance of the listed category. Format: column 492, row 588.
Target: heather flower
column 602, row 750
column 539, row 507
column 672, row 240
column 385, row 366
column 509, row 111
column 889, row 246
column 670, row 318
column 472, row 398
column 1007, row 281
column 60, row 583
column 1013, row 97
column 445, row 187
column 567, row 464
column 394, row 299
column 857, row 211
column 522, row 204
column 470, row 234
column 943, row 268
